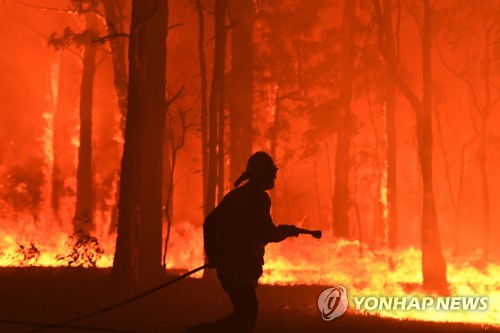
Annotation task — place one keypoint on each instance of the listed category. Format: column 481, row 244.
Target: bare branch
column 59, row 10
column 55, row 9
column 100, row 61
column 170, row 101
column 290, row 95
column 104, row 39
column 391, row 63
column 175, row 26
column 461, row 77
column 205, row 9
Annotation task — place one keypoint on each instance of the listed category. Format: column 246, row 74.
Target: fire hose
column 67, row 323
column 41, row 327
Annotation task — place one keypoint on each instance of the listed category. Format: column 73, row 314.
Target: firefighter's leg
column 245, row 307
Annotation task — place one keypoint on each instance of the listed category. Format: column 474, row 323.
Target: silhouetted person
column 235, row 234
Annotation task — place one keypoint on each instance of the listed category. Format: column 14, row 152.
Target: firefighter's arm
column 269, row 231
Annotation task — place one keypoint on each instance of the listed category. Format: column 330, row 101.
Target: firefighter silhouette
column 235, row 234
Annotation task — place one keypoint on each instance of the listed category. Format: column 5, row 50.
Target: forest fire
column 375, row 122
column 362, row 271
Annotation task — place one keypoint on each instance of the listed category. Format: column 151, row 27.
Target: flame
column 331, row 262
column 305, row 261
column 338, row 262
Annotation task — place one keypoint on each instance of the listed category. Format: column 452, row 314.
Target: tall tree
column 82, row 218
column 138, row 246
column 345, row 128
column 433, row 263
column 215, row 105
column 204, row 106
column 390, row 125
column 113, row 11
column 83, row 209
column 286, row 74
column 241, row 14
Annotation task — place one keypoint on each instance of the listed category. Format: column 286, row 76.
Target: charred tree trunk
column 138, row 247
column 344, row 135
column 273, row 130
column 433, row 263
column 114, row 20
column 204, row 106
column 214, row 107
column 273, row 138
column 390, row 125
column 379, row 225
column 150, row 232
column 168, row 195
column 112, row 11
column 83, row 210
column 168, row 170
column 60, row 144
column 221, row 147
column 241, row 98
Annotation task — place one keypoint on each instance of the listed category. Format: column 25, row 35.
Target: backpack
column 211, row 227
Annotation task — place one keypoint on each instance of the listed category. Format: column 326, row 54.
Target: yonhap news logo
column 333, row 303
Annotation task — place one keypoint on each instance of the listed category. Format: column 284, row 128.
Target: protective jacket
column 237, row 230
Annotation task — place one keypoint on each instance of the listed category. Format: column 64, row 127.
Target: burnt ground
column 51, row 295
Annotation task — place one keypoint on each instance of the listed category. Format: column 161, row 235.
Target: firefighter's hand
column 288, row 230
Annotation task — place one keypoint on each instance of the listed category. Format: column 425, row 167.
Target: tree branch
column 60, row 10
column 462, row 78
column 170, row 101
column 175, row 26
column 391, row 62
column 106, row 38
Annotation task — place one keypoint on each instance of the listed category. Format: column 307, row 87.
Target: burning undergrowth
column 363, row 271
column 85, row 251
column 78, row 251
column 30, row 254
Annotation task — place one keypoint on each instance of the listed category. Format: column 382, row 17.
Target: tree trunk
column 379, row 221
column 168, row 194
column 241, row 97
column 83, row 210
column 150, row 235
column 485, row 112
column 204, row 106
column 344, row 135
column 485, row 193
column 214, row 107
column 167, row 185
column 273, row 138
column 433, row 263
column 118, row 46
column 390, row 125
column 220, row 144
column 274, row 128
column 113, row 13
column 60, row 144
column 139, row 243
